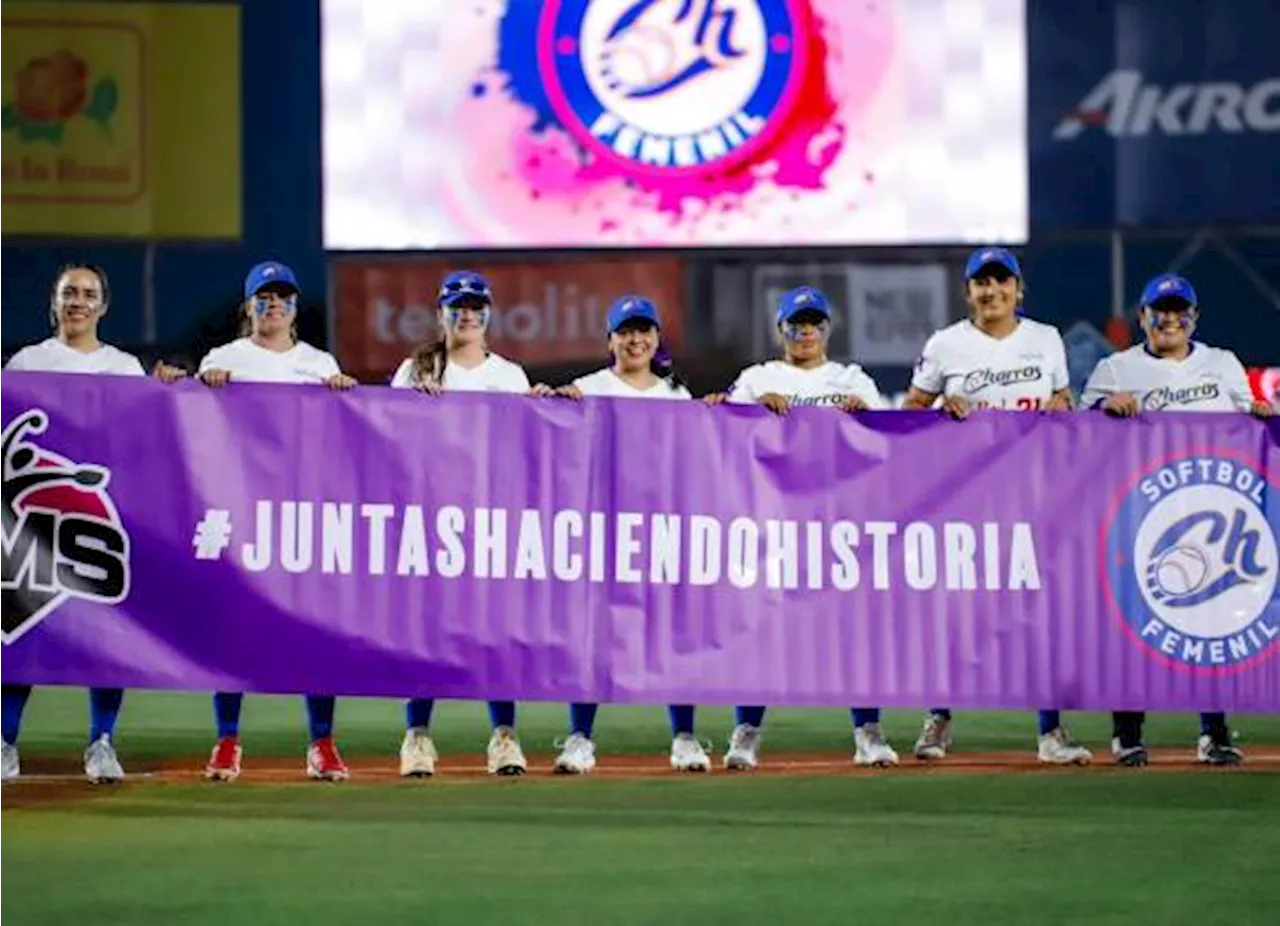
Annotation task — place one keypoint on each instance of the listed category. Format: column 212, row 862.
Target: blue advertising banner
column 1153, row 112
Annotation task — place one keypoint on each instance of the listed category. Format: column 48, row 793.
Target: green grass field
column 1156, row 845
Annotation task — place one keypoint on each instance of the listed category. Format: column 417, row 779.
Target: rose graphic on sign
column 51, row 91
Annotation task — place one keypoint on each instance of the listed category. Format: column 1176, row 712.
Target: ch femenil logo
column 670, row 86
column 1192, row 562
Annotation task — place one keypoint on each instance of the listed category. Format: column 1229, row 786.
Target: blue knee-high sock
column 582, row 718
column 417, row 713
column 104, row 710
column 753, row 716
column 1049, row 721
column 502, row 713
column 943, row 712
column 320, row 716
column 1213, row 724
column 13, row 698
column 226, row 711
column 864, row 715
column 681, row 718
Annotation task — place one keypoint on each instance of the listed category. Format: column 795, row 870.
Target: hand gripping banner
column 289, row 539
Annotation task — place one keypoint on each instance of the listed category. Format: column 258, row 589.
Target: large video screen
column 672, row 123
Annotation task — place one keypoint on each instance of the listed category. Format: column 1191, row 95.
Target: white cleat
column 10, row 767
column 1131, row 756
column 743, row 753
column 688, row 755
column 577, row 756
column 935, row 738
column 871, row 749
column 1056, row 748
column 1221, row 751
column 417, row 754
column 505, row 757
column 101, row 765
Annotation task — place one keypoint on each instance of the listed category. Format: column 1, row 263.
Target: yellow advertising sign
column 121, row 120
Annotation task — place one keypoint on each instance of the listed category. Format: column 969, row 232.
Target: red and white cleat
column 324, row 763
column 224, row 762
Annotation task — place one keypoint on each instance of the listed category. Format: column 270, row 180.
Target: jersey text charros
column 1021, row 371
column 608, row 383
column 829, row 384
column 1207, row 380
column 53, row 356
column 495, row 374
column 248, row 362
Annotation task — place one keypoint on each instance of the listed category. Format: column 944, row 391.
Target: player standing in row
column 270, row 352
column 805, row 377
column 80, row 300
column 994, row 359
column 460, row 361
column 640, row 369
column 1171, row 372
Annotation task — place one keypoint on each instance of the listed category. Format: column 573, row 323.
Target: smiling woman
column 80, row 299
column 994, row 359
column 270, row 352
column 640, row 369
column 459, row 359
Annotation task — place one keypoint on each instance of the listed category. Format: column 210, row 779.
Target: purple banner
column 290, row 539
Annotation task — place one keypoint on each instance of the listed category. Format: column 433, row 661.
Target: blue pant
column 754, row 716
column 104, row 711
column 582, row 719
column 320, row 711
column 1048, row 720
column 417, row 713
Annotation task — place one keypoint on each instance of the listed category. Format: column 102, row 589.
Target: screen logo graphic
column 666, row 86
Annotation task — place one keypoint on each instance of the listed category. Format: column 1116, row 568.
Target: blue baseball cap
column 985, row 257
column 1169, row 286
column 803, row 299
column 463, row 284
column 267, row 273
column 629, row 308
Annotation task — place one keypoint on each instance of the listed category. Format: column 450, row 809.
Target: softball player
column 640, row 370
column 81, row 297
column 1171, row 372
column 805, row 377
column 270, row 352
column 994, row 359
column 460, row 361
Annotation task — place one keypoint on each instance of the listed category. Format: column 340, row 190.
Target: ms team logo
column 1191, row 563
column 62, row 535
column 671, row 86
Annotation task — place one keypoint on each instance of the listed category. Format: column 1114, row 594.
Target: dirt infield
column 45, row 781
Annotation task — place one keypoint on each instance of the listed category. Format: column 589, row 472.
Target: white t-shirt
column 495, row 374
column 829, row 384
column 52, row 356
column 606, row 382
column 1207, row 380
column 248, row 362
column 1020, row 371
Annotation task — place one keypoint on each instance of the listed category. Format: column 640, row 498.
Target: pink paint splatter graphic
column 537, row 173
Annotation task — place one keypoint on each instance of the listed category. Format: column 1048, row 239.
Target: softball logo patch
column 671, row 85
column 1192, row 562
